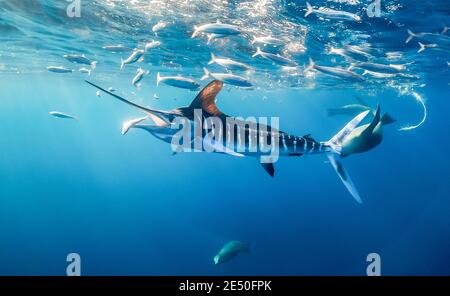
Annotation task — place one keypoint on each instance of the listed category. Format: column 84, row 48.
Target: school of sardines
column 239, row 74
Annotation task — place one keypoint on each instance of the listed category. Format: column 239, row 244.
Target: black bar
column 238, row 284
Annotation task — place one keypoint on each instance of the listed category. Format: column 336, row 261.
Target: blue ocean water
column 130, row 207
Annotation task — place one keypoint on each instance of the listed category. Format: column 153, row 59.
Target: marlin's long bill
column 160, row 114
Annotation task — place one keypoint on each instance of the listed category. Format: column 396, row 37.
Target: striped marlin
column 288, row 145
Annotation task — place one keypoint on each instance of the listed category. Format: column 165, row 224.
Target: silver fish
column 352, row 52
column 276, row 58
column 80, row 59
column 381, row 75
column 177, row 81
column 227, row 78
column 216, row 28
column 158, row 27
column 332, row 14
column 376, row 67
column 61, row 115
column 228, row 63
column 137, row 55
column 59, row 69
column 151, row 45
column 267, row 40
column 85, row 71
column 117, row 48
column 336, row 72
column 440, row 38
column 425, row 46
column 139, row 76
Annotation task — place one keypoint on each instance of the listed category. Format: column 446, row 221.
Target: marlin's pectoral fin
column 270, row 169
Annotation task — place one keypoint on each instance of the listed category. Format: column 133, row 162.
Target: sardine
column 216, row 28
column 276, row 58
column 158, row 27
column 137, row 55
column 117, row 48
column 177, row 81
column 80, row 59
column 332, row 14
column 267, row 40
column 61, row 115
column 227, row 78
column 228, row 63
column 151, row 45
column 59, row 69
column 336, row 72
column 139, row 76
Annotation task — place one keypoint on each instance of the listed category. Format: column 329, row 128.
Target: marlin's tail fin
column 411, row 35
column 309, row 9
column 335, row 145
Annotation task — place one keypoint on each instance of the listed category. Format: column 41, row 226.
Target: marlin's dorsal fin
column 206, row 99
